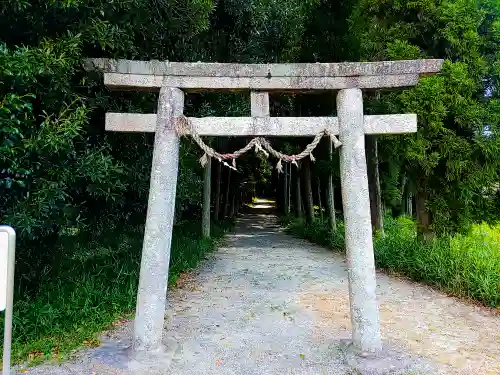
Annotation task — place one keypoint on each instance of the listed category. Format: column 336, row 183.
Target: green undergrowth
column 92, row 286
column 465, row 265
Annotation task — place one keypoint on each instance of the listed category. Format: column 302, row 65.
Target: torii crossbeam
column 173, row 78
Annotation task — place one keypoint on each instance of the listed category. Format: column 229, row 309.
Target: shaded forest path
column 268, row 303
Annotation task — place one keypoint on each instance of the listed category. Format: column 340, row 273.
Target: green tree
column 453, row 160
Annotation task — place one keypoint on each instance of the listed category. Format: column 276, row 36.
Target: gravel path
column 268, row 303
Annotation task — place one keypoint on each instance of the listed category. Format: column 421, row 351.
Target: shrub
column 91, row 283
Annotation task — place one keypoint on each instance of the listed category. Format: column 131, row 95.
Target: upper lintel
column 152, row 75
column 234, row 70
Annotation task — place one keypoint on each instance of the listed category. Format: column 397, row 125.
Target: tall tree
column 374, row 184
column 306, row 169
column 331, row 192
column 217, row 195
column 453, row 160
column 298, row 195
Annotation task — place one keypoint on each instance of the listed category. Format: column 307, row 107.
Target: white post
column 153, row 280
column 358, row 230
column 207, row 185
column 8, row 258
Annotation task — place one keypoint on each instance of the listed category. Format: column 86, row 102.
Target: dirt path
column 267, row 303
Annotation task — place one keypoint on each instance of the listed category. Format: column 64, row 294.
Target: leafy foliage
column 93, row 284
column 450, row 160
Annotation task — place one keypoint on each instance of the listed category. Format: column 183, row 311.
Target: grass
column 463, row 265
column 92, row 285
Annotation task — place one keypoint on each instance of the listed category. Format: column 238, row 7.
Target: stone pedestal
column 153, row 280
column 358, row 230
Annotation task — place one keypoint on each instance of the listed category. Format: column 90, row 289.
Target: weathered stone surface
column 131, row 122
column 153, row 279
column 390, row 124
column 259, row 104
column 198, row 69
column 358, row 230
column 142, row 82
column 272, row 126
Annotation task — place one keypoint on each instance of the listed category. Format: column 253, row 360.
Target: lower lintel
column 271, row 126
column 154, row 82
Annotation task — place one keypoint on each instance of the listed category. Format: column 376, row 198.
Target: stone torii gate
column 172, row 79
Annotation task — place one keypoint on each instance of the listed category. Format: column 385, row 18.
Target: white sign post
column 7, row 263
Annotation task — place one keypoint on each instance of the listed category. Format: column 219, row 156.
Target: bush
column 91, row 283
column 466, row 265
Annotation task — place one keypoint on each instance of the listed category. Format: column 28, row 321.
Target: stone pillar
column 207, row 184
column 358, row 230
column 153, row 279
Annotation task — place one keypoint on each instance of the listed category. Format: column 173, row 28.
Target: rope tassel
column 336, row 142
column 279, row 166
column 257, row 147
column 313, row 159
column 229, row 166
column 204, row 160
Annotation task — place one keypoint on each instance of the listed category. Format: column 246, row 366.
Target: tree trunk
column 374, row 184
column 207, row 184
column 409, row 204
column 217, row 192
column 285, row 191
column 298, row 197
column 320, row 204
column 308, row 192
column 232, row 211
column 276, row 181
column 403, row 194
column 289, row 192
column 331, row 194
column 226, row 200
column 423, row 216
column 407, row 199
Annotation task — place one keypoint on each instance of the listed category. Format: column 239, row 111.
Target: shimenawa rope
column 184, row 128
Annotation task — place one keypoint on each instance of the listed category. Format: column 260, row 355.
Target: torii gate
column 173, row 78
